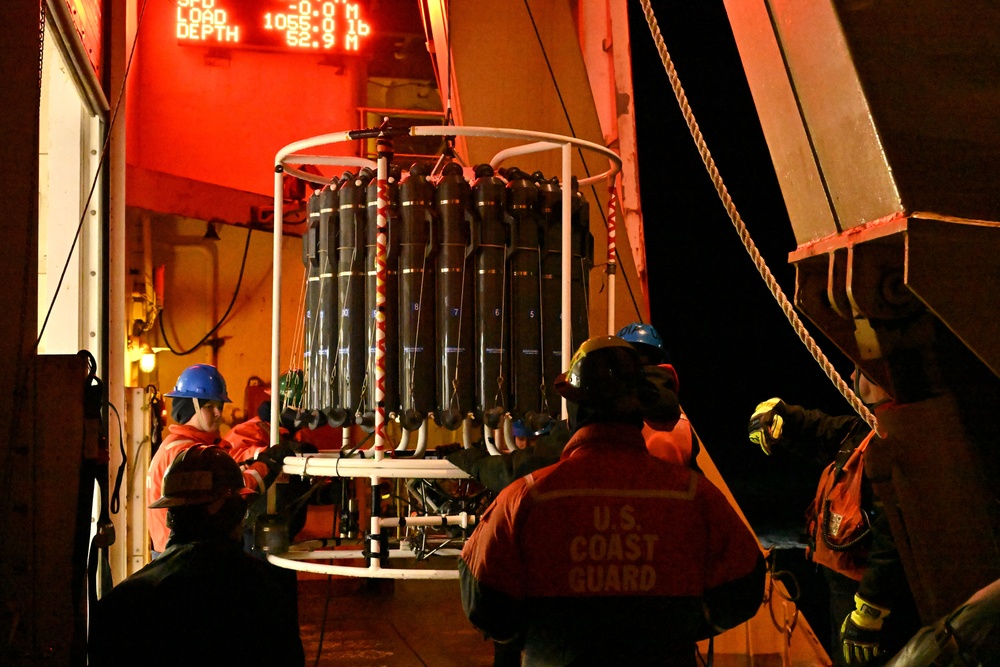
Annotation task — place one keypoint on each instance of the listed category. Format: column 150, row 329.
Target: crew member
column 667, row 437
column 850, row 537
column 203, row 601
column 666, row 429
column 197, row 400
column 610, row 556
column 249, row 442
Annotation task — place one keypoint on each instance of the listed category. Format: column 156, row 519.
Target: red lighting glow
column 326, row 26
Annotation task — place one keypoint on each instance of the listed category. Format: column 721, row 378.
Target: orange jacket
column 242, row 443
column 181, row 437
column 610, row 538
column 674, row 445
column 247, row 439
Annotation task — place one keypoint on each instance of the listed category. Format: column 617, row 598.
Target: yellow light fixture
column 147, row 362
column 140, row 352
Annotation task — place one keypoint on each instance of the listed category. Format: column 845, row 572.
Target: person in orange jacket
column 668, row 439
column 666, row 429
column 250, row 440
column 197, row 400
column 872, row 612
column 609, row 556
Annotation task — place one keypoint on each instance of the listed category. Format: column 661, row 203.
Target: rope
column 758, row 261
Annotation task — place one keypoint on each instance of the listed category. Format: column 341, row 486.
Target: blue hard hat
column 646, row 339
column 524, row 429
column 201, row 381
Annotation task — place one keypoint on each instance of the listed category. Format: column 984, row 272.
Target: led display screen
column 318, row 26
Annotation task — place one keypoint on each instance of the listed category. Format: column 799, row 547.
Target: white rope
column 758, row 261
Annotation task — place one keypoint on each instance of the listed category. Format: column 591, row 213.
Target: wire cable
column 322, row 624
column 114, row 503
column 583, row 160
column 211, row 332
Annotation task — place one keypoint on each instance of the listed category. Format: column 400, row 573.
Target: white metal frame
column 300, row 557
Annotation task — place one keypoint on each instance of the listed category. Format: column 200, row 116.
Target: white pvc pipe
column 374, row 571
column 404, row 441
column 421, row 440
column 462, row 519
column 382, row 187
column 276, row 303
column 320, row 465
column 374, row 545
column 302, row 551
column 612, row 259
column 611, row 304
column 320, row 140
column 526, row 149
column 508, row 434
column 508, row 133
column 344, row 161
column 467, row 433
column 489, row 436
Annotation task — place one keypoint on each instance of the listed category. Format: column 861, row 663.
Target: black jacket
column 199, row 603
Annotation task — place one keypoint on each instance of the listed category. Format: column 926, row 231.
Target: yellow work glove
column 766, row 422
column 861, row 633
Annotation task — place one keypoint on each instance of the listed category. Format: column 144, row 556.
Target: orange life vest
column 837, row 521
